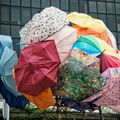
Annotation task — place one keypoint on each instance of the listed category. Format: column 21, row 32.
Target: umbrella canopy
column 109, row 61
column 5, row 41
column 95, row 46
column 86, row 21
column 79, row 77
column 43, row 24
column 36, row 69
column 85, row 31
column 112, row 38
column 111, row 97
column 7, row 62
column 64, row 40
column 43, row 100
column 11, row 99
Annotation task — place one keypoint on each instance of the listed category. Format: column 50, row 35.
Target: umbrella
column 86, row 31
column 43, row 24
column 112, row 38
column 109, row 61
column 64, row 40
column 95, row 46
column 86, row 21
column 7, row 62
column 11, row 99
column 79, row 77
column 5, row 41
column 111, row 96
column 43, row 100
column 36, row 69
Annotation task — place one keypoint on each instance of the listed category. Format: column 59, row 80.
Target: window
column 36, row 3
column 118, row 8
column 6, row 2
column 26, row 3
column 111, row 22
column 73, row 5
column 101, row 7
column 15, row 31
column 15, row 15
column 4, row 11
column 64, row 4
column 110, row 8
column 45, row 3
column 15, row 2
column 55, row 3
column 92, row 6
column 25, row 15
column 5, row 29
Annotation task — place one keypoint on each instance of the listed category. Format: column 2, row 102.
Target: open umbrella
column 86, row 21
column 111, row 96
column 7, row 62
column 86, row 31
column 64, row 40
column 95, row 46
column 43, row 24
column 36, row 69
column 108, row 61
column 43, row 100
column 78, row 78
column 11, row 99
column 5, row 41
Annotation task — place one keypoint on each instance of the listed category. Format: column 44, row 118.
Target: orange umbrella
column 85, row 31
column 43, row 100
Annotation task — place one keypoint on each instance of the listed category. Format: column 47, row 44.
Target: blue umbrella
column 7, row 62
column 12, row 100
column 5, row 41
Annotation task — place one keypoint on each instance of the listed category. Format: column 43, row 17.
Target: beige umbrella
column 64, row 40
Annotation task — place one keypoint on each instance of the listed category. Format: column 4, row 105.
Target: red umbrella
column 36, row 69
column 109, row 61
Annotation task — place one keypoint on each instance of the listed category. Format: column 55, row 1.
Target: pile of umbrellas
column 80, row 63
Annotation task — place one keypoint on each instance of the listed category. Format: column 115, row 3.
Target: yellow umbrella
column 86, row 21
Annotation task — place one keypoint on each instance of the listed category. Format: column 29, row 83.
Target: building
column 15, row 13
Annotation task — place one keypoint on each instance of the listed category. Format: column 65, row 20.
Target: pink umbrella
column 111, row 95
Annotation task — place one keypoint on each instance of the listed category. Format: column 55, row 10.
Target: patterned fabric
column 78, row 79
column 43, row 24
column 111, row 96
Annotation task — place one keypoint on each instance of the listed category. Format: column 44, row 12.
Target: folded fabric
column 43, row 24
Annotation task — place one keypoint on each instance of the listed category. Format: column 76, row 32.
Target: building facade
column 15, row 13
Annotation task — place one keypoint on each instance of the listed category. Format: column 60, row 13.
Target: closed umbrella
column 36, row 69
